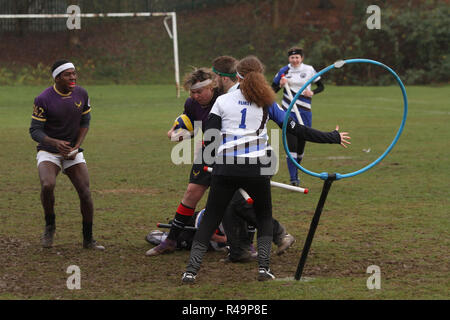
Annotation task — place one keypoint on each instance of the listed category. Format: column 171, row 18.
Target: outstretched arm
column 344, row 137
column 308, row 134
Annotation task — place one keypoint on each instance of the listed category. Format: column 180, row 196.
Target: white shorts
column 59, row 159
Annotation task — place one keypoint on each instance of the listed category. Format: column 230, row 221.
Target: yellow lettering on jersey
column 87, row 111
column 38, row 112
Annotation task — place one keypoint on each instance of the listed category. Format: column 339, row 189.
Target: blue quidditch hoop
column 340, row 64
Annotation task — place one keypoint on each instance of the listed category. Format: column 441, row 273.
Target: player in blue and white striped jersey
column 241, row 117
column 294, row 76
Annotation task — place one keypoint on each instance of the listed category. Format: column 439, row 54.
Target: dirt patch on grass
column 128, row 191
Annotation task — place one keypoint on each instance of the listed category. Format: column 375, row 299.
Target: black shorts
column 199, row 176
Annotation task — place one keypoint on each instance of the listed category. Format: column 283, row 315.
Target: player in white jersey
column 295, row 75
column 241, row 117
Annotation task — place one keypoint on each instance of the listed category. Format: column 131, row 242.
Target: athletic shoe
column 47, row 237
column 92, row 245
column 265, row 274
column 155, row 237
column 167, row 246
column 285, row 243
column 188, row 278
column 295, row 183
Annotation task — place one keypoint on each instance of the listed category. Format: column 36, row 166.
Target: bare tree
column 275, row 14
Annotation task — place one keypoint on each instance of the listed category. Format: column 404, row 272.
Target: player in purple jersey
column 60, row 122
column 204, row 86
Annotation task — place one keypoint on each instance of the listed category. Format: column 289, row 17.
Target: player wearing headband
column 204, row 86
column 59, row 123
column 241, row 159
column 225, row 69
column 296, row 74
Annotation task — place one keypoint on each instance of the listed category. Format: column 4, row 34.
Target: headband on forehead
column 239, row 75
column 292, row 52
column 223, row 74
column 61, row 68
column 201, row 84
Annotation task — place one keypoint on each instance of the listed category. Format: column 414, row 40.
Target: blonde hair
column 254, row 85
column 199, row 75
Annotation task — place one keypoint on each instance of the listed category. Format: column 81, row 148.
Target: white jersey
column 234, row 87
column 244, row 132
column 296, row 77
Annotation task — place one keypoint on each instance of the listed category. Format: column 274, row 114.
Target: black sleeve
column 85, row 120
column 37, row 130
column 275, row 87
column 312, row 135
column 319, row 88
column 213, row 122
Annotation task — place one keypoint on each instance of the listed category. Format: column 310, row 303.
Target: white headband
column 61, row 68
column 201, row 84
column 239, row 75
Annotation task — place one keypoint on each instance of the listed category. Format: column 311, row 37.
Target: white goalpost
column 77, row 15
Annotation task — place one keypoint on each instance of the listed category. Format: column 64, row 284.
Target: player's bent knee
column 48, row 186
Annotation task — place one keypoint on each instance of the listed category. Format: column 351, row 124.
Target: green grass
column 395, row 216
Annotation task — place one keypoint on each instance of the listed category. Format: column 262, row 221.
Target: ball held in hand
column 183, row 128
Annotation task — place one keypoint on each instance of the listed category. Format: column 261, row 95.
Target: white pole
column 174, row 34
column 288, row 187
column 245, row 195
column 272, row 183
column 288, row 89
column 175, row 52
column 85, row 15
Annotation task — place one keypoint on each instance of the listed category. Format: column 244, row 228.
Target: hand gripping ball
column 183, row 128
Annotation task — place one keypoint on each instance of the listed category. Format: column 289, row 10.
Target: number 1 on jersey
column 244, row 115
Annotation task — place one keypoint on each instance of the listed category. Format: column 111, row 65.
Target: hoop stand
column 336, row 176
column 314, row 223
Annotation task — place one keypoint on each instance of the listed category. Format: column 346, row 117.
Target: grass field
column 395, row 216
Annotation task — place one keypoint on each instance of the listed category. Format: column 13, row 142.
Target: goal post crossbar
column 173, row 35
column 85, row 15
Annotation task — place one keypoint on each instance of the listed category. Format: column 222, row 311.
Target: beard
column 220, row 88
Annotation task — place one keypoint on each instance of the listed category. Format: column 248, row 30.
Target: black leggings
column 221, row 192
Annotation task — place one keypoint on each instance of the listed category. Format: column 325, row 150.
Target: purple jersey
column 196, row 112
column 61, row 114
